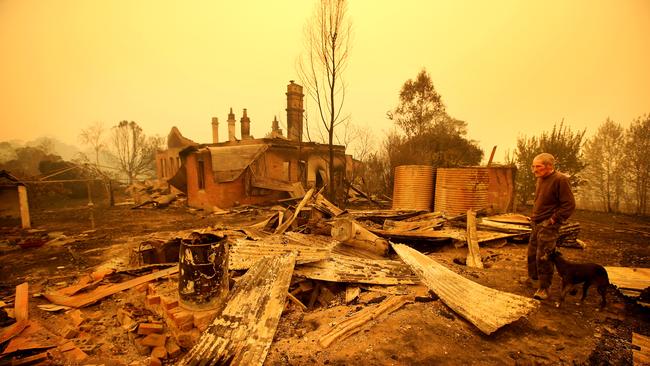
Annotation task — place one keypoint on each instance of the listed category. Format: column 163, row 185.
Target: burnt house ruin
column 250, row 170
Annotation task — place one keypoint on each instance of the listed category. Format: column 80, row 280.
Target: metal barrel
column 461, row 189
column 413, row 187
column 203, row 271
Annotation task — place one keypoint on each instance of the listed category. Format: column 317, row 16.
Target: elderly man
column 554, row 203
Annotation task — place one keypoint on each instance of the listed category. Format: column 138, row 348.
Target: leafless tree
column 321, row 68
column 134, row 152
column 93, row 136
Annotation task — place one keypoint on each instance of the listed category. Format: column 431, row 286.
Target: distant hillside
column 65, row 151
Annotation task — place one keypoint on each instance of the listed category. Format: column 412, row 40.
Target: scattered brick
column 172, row 348
column 159, row 353
column 152, row 300
column 154, row 340
column 148, row 328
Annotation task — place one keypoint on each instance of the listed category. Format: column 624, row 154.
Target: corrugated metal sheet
column 487, row 308
column 340, row 268
column 413, row 188
column 228, row 162
column 461, row 189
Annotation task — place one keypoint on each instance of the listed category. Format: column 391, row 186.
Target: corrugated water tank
column 413, row 187
column 461, row 189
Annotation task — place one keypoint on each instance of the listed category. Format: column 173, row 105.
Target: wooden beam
column 354, row 323
column 296, row 301
column 473, row 254
column 13, row 330
column 285, row 225
column 354, row 234
column 242, row 333
column 21, row 306
column 486, row 308
column 82, row 300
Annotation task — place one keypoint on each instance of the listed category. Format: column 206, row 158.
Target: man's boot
column 541, row 294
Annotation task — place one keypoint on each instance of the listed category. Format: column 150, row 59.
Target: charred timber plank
column 510, row 218
column 379, row 216
column 242, row 333
column 13, row 330
column 350, row 251
column 413, row 226
column 285, row 225
column 354, row 323
column 629, row 278
column 504, row 227
column 424, row 235
column 473, row 254
column 641, row 356
column 323, row 205
column 244, row 253
column 354, row 234
column 82, row 300
column 21, row 307
column 339, row 268
column 486, row 308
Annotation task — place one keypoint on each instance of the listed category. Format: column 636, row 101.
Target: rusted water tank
column 413, row 187
column 461, row 189
column 203, row 281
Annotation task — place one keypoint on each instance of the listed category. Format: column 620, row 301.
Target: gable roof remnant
column 229, row 162
column 487, row 308
column 175, row 139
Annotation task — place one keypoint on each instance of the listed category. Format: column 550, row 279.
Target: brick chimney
column 245, row 126
column 276, row 131
column 231, row 126
column 215, row 130
column 294, row 111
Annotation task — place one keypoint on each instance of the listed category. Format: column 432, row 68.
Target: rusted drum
column 203, row 271
column 413, row 187
column 461, row 189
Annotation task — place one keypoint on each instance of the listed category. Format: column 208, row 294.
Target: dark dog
column 576, row 273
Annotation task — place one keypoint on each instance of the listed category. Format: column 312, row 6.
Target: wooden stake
column 473, row 255
column 24, row 207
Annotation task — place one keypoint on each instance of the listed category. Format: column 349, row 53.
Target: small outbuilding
column 14, row 206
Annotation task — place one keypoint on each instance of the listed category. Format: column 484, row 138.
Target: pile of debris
column 301, row 256
column 154, row 193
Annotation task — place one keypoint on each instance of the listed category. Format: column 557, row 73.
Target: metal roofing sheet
column 228, row 162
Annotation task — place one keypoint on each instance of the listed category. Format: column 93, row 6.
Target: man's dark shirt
column 553, row 198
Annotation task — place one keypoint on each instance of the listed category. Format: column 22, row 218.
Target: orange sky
column 506, row 67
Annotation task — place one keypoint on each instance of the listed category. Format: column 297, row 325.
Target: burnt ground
column 420, row 333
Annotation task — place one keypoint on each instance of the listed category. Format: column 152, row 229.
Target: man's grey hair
column 546, row 159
